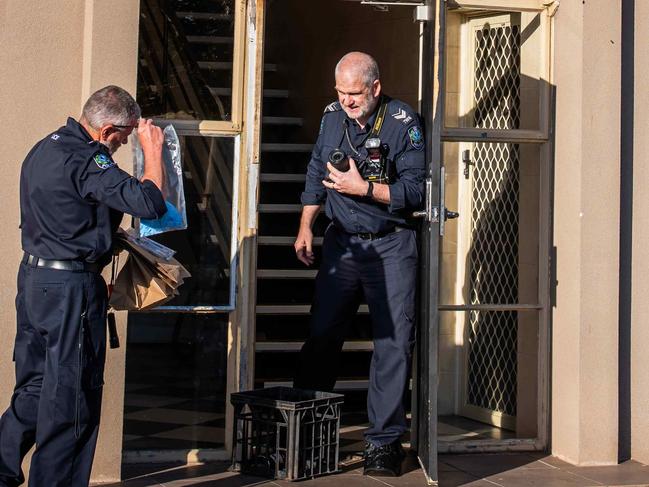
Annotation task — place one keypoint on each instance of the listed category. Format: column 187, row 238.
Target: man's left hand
column 349, row 182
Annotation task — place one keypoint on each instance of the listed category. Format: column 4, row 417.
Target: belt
column 61, row 265
column 375, row 236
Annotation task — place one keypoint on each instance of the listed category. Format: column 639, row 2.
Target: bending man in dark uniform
column 369, row 246
column 72, row 199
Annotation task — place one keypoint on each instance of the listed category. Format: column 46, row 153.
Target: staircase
column 285, row 286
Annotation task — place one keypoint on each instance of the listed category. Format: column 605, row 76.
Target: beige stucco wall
column 52, row 58
column 586, row 232
column 640, row 263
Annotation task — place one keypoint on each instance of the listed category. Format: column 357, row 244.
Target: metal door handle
column 429, row 213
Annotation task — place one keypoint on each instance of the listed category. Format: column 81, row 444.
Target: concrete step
column 295, row 121
column 282, row 178
column 273, row 147
column 210, row 39
column 277, row 346
column 286, row 273
column 294, row 309
column 276, row 240
column 341, row 385
column 203, row 16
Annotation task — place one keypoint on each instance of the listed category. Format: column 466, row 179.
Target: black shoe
column 384, row 461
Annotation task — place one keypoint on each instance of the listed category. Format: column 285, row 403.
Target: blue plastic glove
column 172, row 220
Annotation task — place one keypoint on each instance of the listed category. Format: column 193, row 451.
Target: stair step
column 272, row 93
column 203, row 16
column 348, row 346
column 294, row 309
column 286, row 273
column 224, row 65
column 341, row 385
column 286, row 147
column 279, row 208
column 271, row 240
column 282, row 178
column 267, row 93
column 283, row 121
column 210, row 39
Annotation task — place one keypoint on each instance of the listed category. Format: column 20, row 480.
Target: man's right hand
column 150, row 136
column 304, row 246
column 151, row 140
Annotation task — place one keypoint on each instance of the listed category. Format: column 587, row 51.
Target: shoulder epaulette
column 333, row 107
column 401, row 112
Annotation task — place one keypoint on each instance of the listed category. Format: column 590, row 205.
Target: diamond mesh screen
column 493, row 256
column 497, row 77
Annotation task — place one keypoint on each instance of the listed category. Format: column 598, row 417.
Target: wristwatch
column 370, row 190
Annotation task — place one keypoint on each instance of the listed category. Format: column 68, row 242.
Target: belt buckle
column 365, row 236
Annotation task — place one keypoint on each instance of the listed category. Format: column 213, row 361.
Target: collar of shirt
column 77, row 130
column 368, row 126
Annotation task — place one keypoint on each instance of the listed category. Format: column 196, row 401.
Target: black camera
column 377, row 167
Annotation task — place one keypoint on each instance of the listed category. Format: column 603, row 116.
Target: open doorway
column 489, row 358
column 491, row 327
column 303, row 43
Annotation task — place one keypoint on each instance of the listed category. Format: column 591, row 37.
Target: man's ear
column 106, row 131
column 376, row 88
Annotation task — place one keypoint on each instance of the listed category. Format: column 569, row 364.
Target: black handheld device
column 339, row 160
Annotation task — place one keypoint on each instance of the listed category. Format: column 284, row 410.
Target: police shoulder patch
column 103, row 161
column 416, row 137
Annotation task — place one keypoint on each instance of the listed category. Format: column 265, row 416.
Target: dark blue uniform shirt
column 73, row 196
column 402, row 132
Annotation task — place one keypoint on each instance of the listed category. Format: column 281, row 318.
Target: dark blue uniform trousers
column 385, row 271
column 59, row 356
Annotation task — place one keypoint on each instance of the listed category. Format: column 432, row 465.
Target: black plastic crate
column 286, row 433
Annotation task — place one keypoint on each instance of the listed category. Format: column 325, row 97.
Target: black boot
column 384, row 461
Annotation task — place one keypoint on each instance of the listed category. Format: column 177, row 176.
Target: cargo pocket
column 78, row 397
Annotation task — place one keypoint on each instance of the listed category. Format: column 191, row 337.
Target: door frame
column 424, row 392
column 543, row 137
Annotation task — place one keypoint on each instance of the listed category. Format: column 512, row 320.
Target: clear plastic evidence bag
column 176, row 216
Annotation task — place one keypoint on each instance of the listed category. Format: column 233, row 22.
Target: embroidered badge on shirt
column 416, row 137
column 103, row 161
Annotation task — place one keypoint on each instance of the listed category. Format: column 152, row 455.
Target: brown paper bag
column 146, row 280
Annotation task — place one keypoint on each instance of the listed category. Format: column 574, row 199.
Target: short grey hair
column 361, row 63
column 110, row 104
